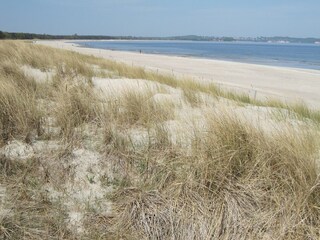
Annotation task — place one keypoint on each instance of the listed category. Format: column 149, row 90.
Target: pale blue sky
column 296, row 18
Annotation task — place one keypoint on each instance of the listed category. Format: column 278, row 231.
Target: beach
column 105, row 148
column 259, row 81
column 160, row 120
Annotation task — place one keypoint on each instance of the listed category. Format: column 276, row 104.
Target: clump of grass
column 67, row 64
column 192, row 97
column 12, row 72
column 73, row 70
column 160, row 138
column 303, row 111
column 19, row 115
column 134, row 107
column 114, row 140
column 298, row 109
column 230, row 143
column 76, row 105
column 27, row 211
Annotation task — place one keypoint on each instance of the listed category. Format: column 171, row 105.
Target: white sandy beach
column 289, row 84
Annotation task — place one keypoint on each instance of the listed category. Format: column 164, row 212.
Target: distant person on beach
column 140, row 51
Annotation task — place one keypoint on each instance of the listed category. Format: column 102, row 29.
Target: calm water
column 290, row 55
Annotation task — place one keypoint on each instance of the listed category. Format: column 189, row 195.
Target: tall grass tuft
column 27, row 212
column 76, row 105
column 19, row 114
column 133, row 107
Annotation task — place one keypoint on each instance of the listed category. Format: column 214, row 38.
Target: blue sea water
column 275, row 54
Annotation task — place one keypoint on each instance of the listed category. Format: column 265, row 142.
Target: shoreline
column 266, row 62
column 74, row 44
column 263, row 81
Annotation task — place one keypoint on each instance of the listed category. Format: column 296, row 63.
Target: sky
column 236, row 18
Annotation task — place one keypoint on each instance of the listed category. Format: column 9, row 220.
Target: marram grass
column 232, row 180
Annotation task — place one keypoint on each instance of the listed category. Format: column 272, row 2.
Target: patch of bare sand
column 119, row 85
column 37, row 74
column 85, row 190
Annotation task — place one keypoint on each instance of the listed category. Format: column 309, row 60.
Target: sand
column 288, row 84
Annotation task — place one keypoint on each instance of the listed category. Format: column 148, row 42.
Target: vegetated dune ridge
column 288, row 84
column 94, row 149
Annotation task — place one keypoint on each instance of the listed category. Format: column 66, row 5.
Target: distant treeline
column 13, row 35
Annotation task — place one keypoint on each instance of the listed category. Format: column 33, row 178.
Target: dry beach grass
column 86, row 155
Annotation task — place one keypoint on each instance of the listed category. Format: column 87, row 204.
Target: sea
column 275, row 54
